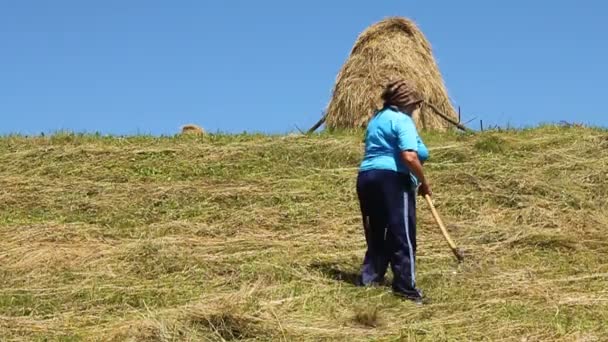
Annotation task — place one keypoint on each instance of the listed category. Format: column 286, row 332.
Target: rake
column 457, row 252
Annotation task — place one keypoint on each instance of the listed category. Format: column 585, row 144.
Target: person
column 390, row 174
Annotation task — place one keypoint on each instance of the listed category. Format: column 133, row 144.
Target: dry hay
column 253, row 246
column 392, row 48
column 192, row 129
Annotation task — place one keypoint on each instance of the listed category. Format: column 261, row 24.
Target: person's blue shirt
column 389, row 133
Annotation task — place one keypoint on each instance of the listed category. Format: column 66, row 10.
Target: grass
column 253, row 237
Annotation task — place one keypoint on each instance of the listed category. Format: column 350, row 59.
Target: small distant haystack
column 192, row 129
column 393, row 48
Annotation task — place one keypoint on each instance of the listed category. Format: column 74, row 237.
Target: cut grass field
column 252, row 237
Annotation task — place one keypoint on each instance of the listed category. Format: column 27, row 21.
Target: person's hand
column 425, row 189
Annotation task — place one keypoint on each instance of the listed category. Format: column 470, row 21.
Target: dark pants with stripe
column 388, row 206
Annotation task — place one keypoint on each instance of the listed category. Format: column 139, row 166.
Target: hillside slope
column 254, row 237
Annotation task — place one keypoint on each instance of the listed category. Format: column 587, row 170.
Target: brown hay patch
column 367, row 317
column 392, row 48
column 51, row 257
column 229, row 322
column 47, row 248
column 141, row 330
column 545, row 241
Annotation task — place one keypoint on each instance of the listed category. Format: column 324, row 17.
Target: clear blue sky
column 136, row 66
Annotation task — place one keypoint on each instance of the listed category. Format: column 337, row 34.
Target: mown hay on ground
column 392, row 48
column 259, row 238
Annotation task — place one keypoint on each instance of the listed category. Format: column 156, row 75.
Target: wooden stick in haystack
column 447, row 118
column 318, row 124
column 433, row 107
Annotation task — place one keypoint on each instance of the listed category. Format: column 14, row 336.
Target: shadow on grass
column 334, row 271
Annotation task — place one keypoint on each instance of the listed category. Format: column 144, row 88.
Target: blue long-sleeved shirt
column 389, row 133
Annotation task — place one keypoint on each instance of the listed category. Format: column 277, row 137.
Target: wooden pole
column 447, row 118
column 435, row 109
column 457, row 252
column 318, row 124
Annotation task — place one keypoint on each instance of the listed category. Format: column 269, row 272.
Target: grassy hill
column 252, row 237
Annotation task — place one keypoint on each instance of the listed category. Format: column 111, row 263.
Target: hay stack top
column 192, row 129
column 392, row 48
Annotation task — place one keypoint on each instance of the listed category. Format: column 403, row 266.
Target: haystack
column 392, row 48
column 192, row 129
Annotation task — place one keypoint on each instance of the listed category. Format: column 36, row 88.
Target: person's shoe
column 414, row 296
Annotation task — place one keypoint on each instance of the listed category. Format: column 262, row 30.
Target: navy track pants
column 388, row 207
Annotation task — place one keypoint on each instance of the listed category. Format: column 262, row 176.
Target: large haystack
column 392, row 48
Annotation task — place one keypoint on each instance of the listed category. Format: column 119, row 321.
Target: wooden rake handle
column 457, row 252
